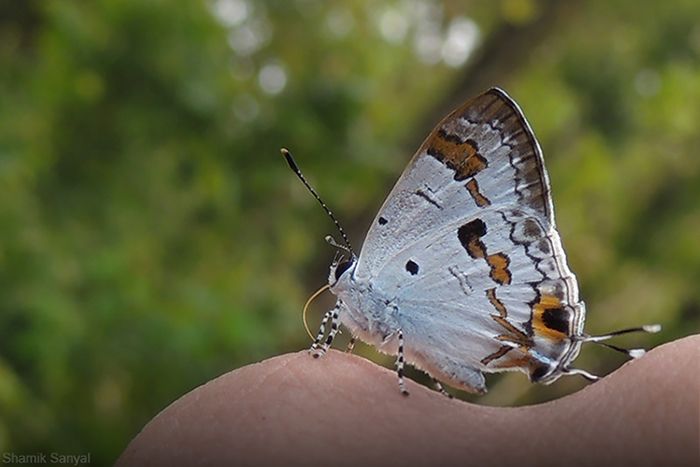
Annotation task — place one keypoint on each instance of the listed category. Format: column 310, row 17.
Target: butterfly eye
column 342, row 267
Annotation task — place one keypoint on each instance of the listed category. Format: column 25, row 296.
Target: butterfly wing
column 486, row 147
column 466, row 242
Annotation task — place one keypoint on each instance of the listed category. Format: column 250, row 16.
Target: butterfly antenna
column 331, row 241
column 295, row 168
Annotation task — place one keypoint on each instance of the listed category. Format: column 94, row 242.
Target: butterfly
column 462, row 271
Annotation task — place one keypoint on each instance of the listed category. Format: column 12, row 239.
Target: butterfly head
column 341, row 271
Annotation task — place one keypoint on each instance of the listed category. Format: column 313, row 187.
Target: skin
column 344, row 410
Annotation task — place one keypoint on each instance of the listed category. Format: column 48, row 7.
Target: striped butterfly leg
column 320, row 349
column 351, row 345
column 441, row 390
column 400, row 363
column 315, row 347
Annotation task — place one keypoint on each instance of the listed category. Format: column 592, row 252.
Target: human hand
column 344, row 410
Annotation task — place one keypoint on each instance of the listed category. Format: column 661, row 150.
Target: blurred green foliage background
column 152, row 238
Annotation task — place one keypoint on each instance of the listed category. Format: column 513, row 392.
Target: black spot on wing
column 471, row 230
column 469, row 236
column 539, row 372
column 412, row 267
column 382, row 221
column 557, row 319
